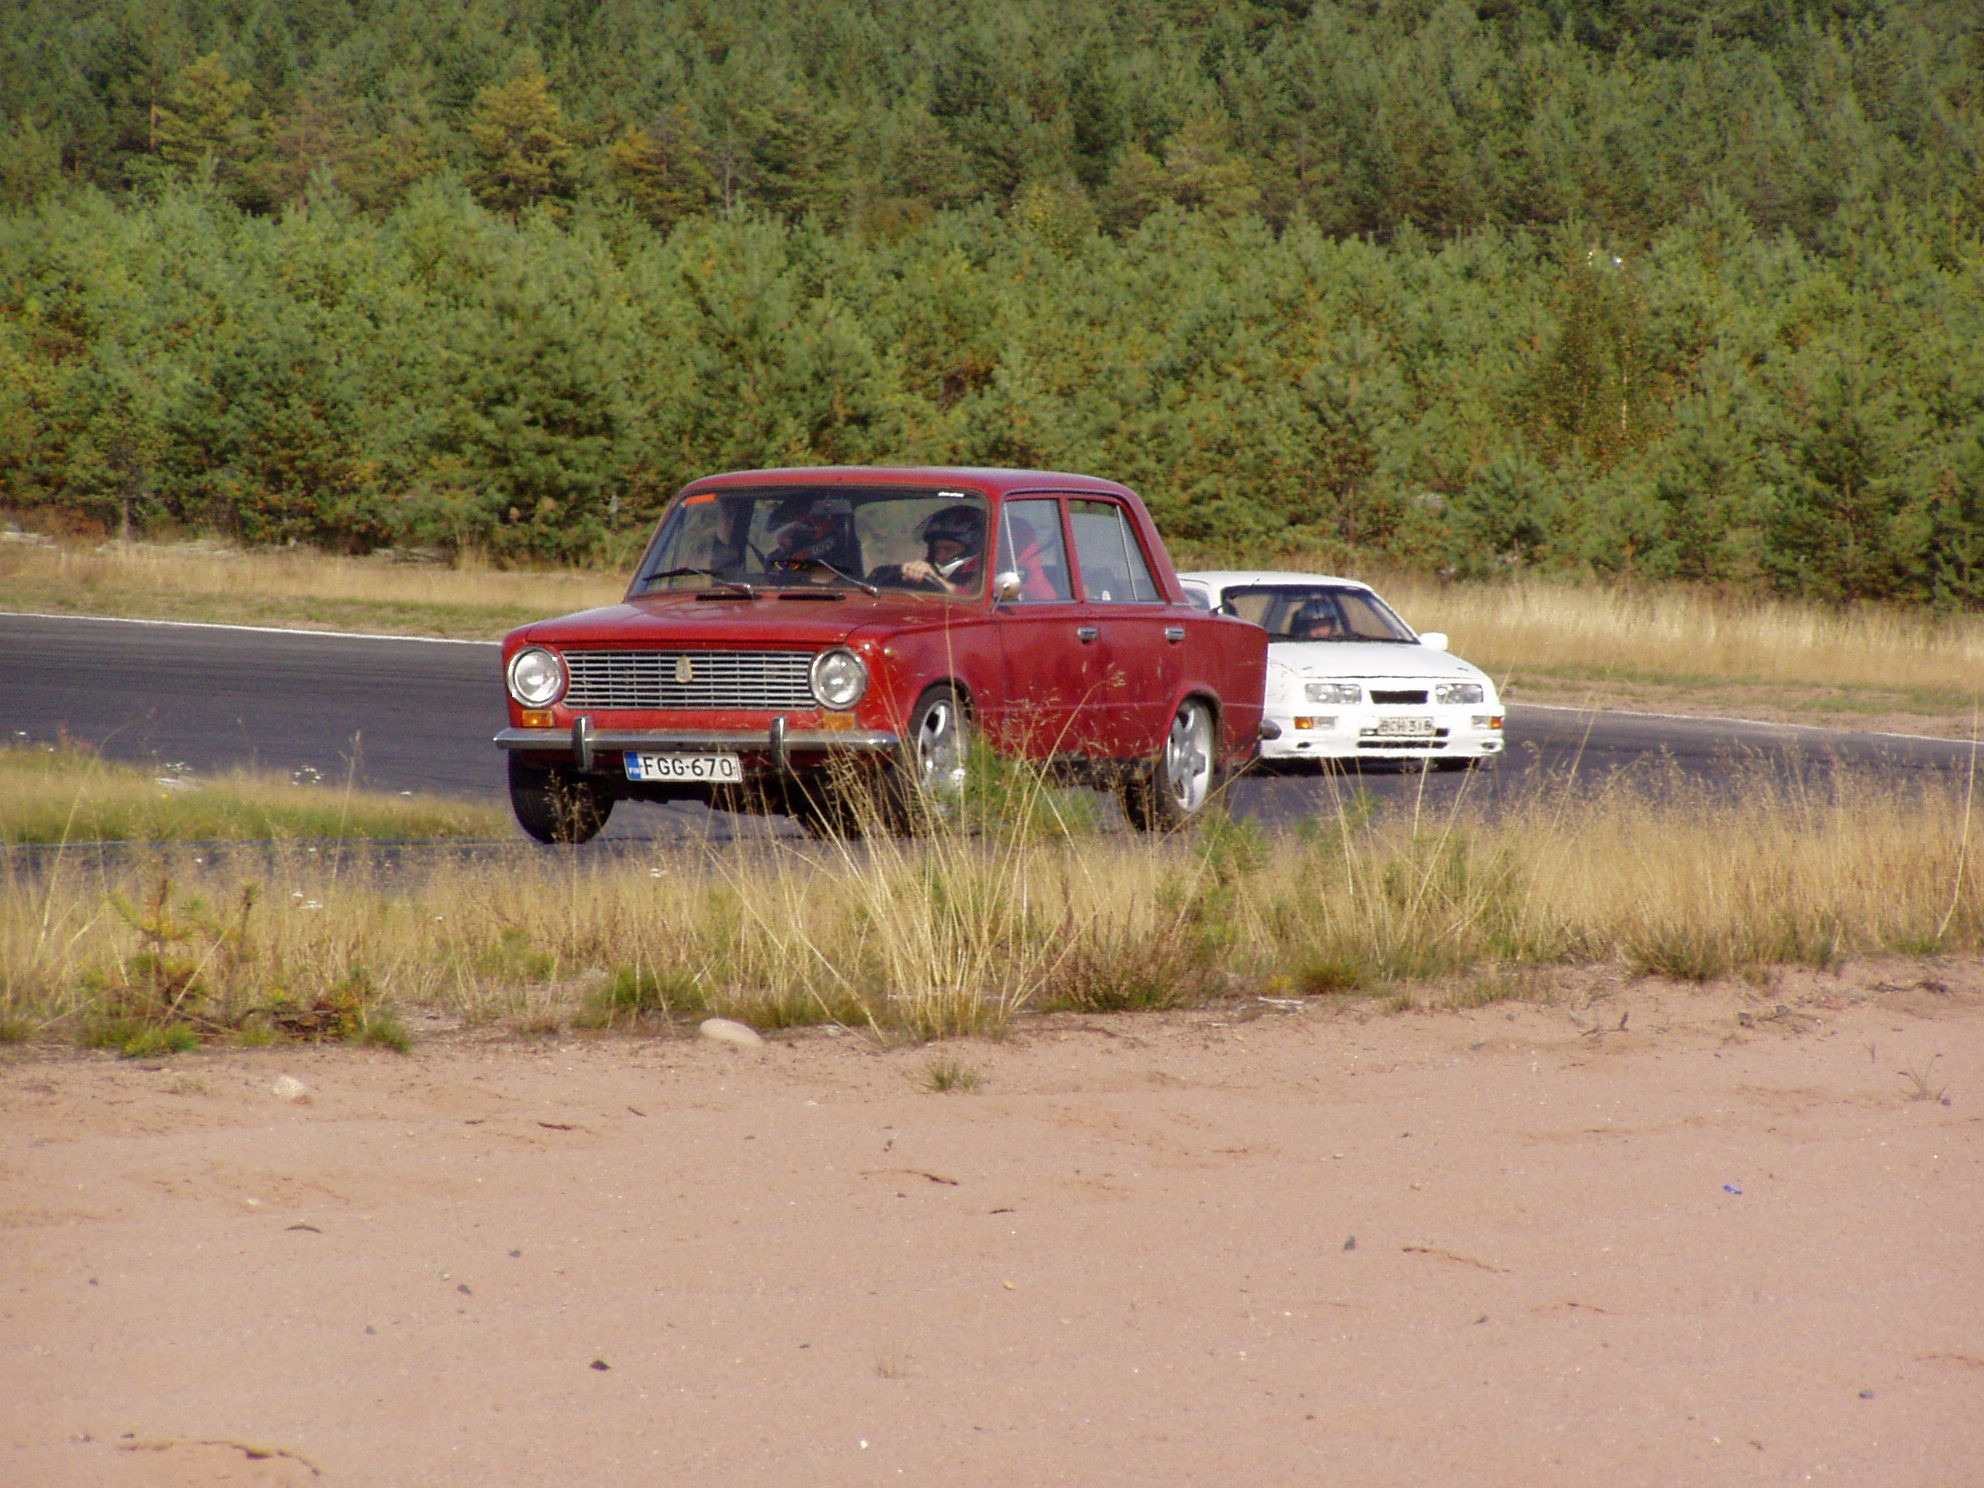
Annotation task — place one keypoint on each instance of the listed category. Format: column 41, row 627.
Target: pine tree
column 660, row 169
column 203, row 124
column 522, row 151
column 314, row 138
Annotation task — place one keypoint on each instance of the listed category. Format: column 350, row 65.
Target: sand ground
column 1642, row 1234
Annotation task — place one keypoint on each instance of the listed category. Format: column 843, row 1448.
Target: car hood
column 1369, row 659
column 767, row 619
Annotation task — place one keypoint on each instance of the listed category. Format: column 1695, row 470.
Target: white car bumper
column 1316, row 732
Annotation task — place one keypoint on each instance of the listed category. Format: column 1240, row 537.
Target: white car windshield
column 1315, row 612
column 912, row 539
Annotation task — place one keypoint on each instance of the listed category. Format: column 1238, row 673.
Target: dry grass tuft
column 961, row 931
column 1588, row 630
column 292, row 587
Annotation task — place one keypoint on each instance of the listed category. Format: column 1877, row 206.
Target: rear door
column 1137, row 633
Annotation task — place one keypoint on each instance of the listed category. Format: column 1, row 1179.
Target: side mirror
column 1006, row 587
column 1433, row 640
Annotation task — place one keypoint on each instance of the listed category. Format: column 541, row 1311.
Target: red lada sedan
column 790, row 633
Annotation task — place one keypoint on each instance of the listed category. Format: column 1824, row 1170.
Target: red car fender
column 904, row 664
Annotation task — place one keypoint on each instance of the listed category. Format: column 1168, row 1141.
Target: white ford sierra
column 1347, row 679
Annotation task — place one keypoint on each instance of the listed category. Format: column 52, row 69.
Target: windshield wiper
column 709, row 573
column 861, row 584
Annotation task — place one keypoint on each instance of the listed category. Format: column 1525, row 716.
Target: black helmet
column 1315, row 612
column 958, row 524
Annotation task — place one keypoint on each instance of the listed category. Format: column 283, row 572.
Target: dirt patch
column 1644, row 1234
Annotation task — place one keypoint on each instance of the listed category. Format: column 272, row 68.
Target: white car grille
column 749, row 681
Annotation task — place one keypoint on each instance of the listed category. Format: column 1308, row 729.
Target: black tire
column 834, row 810
column 554, row 804
column 1177, row 787
column 936, row 748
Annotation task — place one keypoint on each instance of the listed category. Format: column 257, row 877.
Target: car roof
column 1242, row 578
column 992, row 480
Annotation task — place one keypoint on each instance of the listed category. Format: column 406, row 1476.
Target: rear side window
column 1112, row 565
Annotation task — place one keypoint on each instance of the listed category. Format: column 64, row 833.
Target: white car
column 1347, row 679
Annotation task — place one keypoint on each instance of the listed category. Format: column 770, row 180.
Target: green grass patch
column 194, row 968
column 68, row 793
column 945, row 1074
column 634, row 993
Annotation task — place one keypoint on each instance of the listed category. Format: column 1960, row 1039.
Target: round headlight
column 839, row 679
column 537, row 677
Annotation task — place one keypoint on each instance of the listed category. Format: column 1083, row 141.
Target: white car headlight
column 839, row 679
column 537, row 677
column 1460, row 692
column 1333, row 692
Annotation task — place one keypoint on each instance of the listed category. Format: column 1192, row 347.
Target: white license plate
column 723, row 769
column 1405, row 728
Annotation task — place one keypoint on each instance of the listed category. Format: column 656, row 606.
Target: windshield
column 903, row 538
column 1315, row 612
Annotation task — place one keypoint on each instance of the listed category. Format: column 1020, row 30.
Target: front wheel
column 838, row 810
column 936, row 750
column 1176, row 788
column 554, row 804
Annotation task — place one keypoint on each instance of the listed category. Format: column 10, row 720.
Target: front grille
column 1407, row 695
column 750, row 681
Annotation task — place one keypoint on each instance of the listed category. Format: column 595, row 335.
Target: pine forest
column 1640, row 290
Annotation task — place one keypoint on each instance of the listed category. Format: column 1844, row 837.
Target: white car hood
column 1370, row 659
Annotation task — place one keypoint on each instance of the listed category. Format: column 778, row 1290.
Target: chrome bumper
column 582, row 741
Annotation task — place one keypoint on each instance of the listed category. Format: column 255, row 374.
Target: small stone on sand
column 727, row 1031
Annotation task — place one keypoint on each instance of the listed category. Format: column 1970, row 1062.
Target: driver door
column 1041, row 631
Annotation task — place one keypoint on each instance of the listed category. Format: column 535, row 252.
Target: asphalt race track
column 406, row 714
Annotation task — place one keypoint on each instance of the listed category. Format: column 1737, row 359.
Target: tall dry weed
column 958, row 932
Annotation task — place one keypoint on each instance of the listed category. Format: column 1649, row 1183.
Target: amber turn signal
column 535, row 717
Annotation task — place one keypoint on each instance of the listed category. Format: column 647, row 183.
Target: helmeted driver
column 1316, row 621
column 953, row 550
column 813, row 530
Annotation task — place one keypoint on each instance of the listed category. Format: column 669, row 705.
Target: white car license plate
column 716, row 768
column 1405, row 728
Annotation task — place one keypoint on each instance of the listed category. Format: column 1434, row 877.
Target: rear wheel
column 1176, row 789
column 554, row 804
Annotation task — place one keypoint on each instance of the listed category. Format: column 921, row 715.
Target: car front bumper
column 774, row 747
column 1320, row 733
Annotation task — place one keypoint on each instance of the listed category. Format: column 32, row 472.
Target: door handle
column 1086, row 633
column 1174, row 633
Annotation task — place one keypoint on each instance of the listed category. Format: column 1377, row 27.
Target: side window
column 1113, row 567
column 1251, row 605
column 1030, row 545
